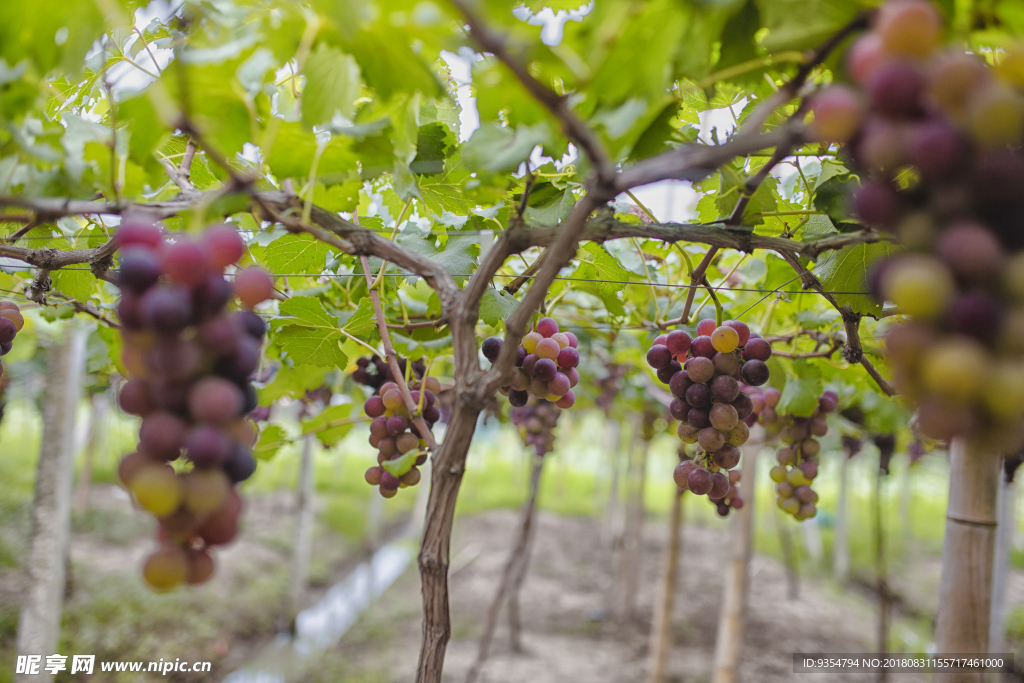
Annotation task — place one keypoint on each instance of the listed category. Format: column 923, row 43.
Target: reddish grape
column 547, row 327
column 185, row 262
column 253, row 285
column 223, row 245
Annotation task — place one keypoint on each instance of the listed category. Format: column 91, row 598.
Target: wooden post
column 841, row 544
column 881, row 576
column 661, row 632
column 1007, row 506
column 94, row 442
column 729, row 641
column 632, row 537
column 39, row 622
column 906, row 495
column 965, row 588
column 610, row 526
column 305, row 498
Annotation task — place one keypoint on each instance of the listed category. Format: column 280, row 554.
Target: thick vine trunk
column 632, row 537
column 39, row 623
column 514, row 568
column 447, row 469
column 98, row 421
column 841, row 545
column 305, row 499
column 965, row 588
column 1004, row 546
column 729, row 641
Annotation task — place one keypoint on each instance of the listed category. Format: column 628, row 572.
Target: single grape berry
column 659, row 357
column 491, row 348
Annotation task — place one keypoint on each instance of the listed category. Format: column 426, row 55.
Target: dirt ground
column 568, row 631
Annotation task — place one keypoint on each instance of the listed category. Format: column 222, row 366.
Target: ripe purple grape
column 678, row 342
column 568, row 358
column 698, row 418
column 544, row 369
column 491, row 348
column 659, row 357
column 698, row 396
column 703, row 347
column 719, row 486
column 679, row 383
column 757, row 349
column 699, row 481
column 755, row 373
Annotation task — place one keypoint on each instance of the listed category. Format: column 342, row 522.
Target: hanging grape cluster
column 798, row 459
column 704, row 374
column 399, row 443
column 11, row 323
column 936, row 135
column 536, row 423
column 189, row 360
column 545, row 365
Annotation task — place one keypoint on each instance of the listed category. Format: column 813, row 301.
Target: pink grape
column 547, row 327
column 253, row 285
column 223, row 245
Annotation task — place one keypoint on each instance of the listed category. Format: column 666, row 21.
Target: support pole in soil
column 729, row 641
column 881, row 575
column 632, row 541
column 1001, row 570
column 841, row 544
column 93, row 443
column 39, row 623
column 661, row 634
column 513, row 566
column 965, row 588
column 789, row 557
column 305, row 501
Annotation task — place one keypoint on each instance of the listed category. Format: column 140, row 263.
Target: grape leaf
column 363, row 320
column 291, row 381
column 332, row 85
column 402, row 464
column 270, row 442
column 498, row 148
column 457, row 256
column 311, row 335
column 325, row 424
column 496, row 305
column 296, row 254
column 803, row 388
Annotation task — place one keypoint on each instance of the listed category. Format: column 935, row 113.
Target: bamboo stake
column 661, row 641
column 729, row 641
column 965, row 588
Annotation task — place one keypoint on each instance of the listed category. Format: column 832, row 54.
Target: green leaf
column 332, row 85
column 363, row 320
column 311, row 335
column 292, row 381
column 271, row 439
column 401, row 465
column 457, row 257
column 77, row 284
column 496, row 305
column 845, row 272
column 296, row 254
column 800, row 397
column 597, row 264
column 500, row 149
column 802, row 24
column 294, row 149
column 325, row 427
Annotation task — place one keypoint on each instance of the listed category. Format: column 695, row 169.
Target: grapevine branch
column 853, row 352
column 392, row 356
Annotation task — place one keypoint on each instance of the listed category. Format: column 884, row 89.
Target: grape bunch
column 536, row 422
column 797, row 460
column 373, row 371
column 11, row 323
column 189, row 360
column 393, row 433
column 545, row 365
column 704, row 374
column 937, row 136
